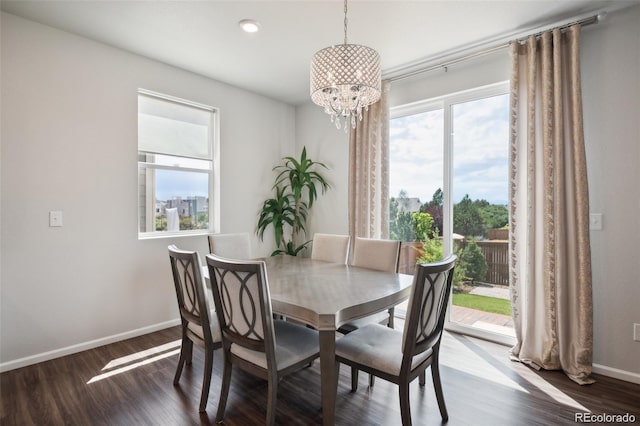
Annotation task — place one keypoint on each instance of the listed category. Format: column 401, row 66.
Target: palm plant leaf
column 296, row 185
column 277, row 211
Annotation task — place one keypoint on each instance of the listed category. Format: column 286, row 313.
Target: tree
column 401, row 224
column 402, row 228
column 473, row 261
column 438, row 197
column 467, row 219
column 431, row 251
column 495, row 216
column 422, row 226
column 434, row 208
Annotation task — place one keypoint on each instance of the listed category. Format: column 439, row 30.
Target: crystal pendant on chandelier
column 345, row 79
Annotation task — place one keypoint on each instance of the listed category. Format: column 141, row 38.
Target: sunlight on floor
column 128, row 362
column 494, row 328
column 532, row 377
column 480, row 367
column 477, row 365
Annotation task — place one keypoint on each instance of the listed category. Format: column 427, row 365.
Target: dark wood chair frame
column 187, row 278
column 428, row 339
column 256, row 340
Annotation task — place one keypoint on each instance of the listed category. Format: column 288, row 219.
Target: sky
column 480, row 151
column 171, row 183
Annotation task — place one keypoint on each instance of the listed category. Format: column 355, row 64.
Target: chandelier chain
column 345, row 21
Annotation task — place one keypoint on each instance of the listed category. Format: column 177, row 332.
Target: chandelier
column 345, row 79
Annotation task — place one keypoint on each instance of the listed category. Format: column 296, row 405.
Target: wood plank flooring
column 130, row 383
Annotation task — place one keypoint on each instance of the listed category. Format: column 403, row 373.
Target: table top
column 327, row 295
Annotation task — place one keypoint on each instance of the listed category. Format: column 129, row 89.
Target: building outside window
column 177, row 142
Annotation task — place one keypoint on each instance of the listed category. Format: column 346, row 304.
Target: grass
column 482, row 303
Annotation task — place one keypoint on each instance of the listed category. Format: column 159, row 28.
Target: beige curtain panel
column 369, row 171
column 549, row 223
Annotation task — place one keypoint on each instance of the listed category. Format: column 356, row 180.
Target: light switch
column 55, row 218
column 595, row 221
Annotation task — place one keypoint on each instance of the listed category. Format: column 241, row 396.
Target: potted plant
column 296, row 188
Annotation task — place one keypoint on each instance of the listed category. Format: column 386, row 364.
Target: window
column 176, row 146
column 449, row 193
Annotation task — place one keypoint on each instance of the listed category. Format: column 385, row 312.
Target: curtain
column 549, row 202
column 369, row 171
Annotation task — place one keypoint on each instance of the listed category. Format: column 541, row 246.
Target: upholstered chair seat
column 377, row 346
column 293, row 343
column 213, row 326
column 400, row 357
column 251, row 339
column 380, row 255
column 199, row 323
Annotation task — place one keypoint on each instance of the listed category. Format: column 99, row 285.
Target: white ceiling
column 204, row 37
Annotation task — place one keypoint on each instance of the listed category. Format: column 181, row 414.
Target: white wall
column 610, row 53
column 69, row 142
column 330, row 146
column 611, row 91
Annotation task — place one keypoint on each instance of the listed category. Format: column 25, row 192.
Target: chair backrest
column 330, row 248
column 243, row 303
column 231, row 246
column 190, row 292
column 382, row 255
column 427, row 306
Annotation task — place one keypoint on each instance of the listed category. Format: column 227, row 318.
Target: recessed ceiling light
column 249, row 25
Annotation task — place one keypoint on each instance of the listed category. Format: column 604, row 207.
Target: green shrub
column 475, row 265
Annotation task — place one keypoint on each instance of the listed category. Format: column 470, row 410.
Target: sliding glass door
column 479, row 143
column 449, row 187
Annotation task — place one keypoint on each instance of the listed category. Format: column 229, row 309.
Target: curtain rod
column 399, row 75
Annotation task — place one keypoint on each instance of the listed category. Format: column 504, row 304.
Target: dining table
column 325, row 296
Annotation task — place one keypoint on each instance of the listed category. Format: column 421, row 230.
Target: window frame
column 446, row 102
column 213, row 205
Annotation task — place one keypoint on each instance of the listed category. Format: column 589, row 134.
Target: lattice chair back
column 243, row 303
column 192, row 302
column 427, row 306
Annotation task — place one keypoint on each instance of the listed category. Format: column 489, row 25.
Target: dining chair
column 330, row 248
column 199, row 322
column 251, row 338
column 381, row 255
column 400, row 357
column 232, row 246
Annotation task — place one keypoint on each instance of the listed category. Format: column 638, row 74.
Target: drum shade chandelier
column 345, row 79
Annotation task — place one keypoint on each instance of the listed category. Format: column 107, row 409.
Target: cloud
column 416, row 155
column 480, row 151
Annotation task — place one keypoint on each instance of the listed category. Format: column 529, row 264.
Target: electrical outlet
column 636, row 332
column 595, row 221
column 55, row 218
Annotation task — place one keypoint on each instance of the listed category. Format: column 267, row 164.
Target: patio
column 488, row 321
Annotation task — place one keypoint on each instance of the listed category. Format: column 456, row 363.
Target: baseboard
column 57, row 353
column 627, row 376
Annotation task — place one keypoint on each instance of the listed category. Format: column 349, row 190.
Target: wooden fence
column 496, row 253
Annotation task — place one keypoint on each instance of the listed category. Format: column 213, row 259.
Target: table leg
column 328, row 377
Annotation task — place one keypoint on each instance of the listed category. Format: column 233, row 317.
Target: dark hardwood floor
column 130, row 383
